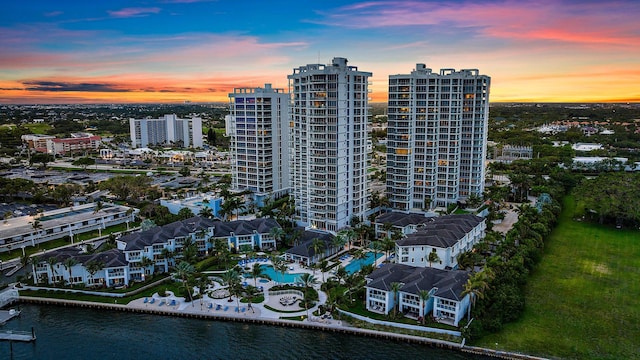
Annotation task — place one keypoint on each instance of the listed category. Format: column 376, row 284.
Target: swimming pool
column 277, row 276
column 356, row 265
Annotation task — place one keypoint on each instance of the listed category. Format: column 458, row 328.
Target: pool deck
column 208, row 305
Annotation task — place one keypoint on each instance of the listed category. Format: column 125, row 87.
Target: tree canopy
column 611, row 198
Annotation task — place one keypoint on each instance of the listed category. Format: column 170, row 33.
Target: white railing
column 8, row 296
column 286, row 292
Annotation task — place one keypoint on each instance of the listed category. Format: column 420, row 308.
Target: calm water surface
column 75, row 333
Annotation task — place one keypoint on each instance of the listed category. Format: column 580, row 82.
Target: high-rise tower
column 329, row 143
column 259, row 129
column 436, row 137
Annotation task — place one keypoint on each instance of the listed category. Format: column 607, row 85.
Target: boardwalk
column 6, row 315
column 14, row 335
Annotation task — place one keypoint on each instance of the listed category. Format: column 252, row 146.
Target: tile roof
column 162, row 234
column 304, row 249
column 449, row 284
column 402, row 219
column 110, row 258
column 443, row 231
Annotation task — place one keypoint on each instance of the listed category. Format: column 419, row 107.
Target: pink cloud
column 582, row 23
column 134, row 12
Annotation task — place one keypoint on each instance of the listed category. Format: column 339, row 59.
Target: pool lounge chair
column 161, row 303
column 242, row 309
column 218, row 307
column 173, row 302
column 152, row 300
column 226, row 308
column 146, row 300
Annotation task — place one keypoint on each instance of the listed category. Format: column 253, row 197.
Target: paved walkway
column 231, row 306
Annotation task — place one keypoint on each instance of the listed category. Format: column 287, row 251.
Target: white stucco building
column 161, row 245
column 446, row 236
column 165, row 131
column 259, row 131
column 329, row 144
column 445, row 303
column 436, row 137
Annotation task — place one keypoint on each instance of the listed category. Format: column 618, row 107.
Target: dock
column 15, row 335
column 6, row 315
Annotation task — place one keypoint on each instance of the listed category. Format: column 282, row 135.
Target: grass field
column 583, row 301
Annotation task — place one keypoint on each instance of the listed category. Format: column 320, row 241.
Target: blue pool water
column 356, row 265
column 277, row 276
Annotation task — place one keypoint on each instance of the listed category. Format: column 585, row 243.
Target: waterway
column 79, row 333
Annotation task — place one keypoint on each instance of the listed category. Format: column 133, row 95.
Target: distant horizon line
column 371, row 102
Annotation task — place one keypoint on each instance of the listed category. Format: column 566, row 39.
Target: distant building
column 586, row 146
column 37, row 142
column 259, row 131
column 55, row 224
column 436, row 137
column 76, row 143
column 168, row 130
column 509, row 153
column 329, row 144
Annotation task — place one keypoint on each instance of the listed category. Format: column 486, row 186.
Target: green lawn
column 583, row 301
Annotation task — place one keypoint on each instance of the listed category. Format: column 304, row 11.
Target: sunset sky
column 176, row 50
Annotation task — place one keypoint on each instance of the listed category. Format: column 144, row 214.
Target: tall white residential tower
column 259, row 131
column 437, row 137
column 329, row 144
column 166, row 130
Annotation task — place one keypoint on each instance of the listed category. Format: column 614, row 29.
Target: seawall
column 443, row 344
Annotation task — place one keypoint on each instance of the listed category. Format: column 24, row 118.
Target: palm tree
column 52, row 261
column 277, row 233
column 93, row 267
column 424, row 295
column 388, row 245
column 317, row 246
column 395, row 289
column 222, row 251
column 184, row 271
column 206, row 212
column 433, row 257
column 36, row 225
column 279, row 265
column 146, row 262
column 350, row 235
column 256, row 272
column 203, row 282
column 352, row 282
column 387, row 227
column 376, row 246
column 168, row 255
column 230, row 205
column 232, row 279
column 34, row 260
column 475, row 286
column 339, row 240
column 341, row 274
column 68, row 264
column 99, row 206
column 324, row 267
column 307, row 281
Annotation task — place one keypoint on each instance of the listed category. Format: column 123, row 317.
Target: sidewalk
column 211, row 306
